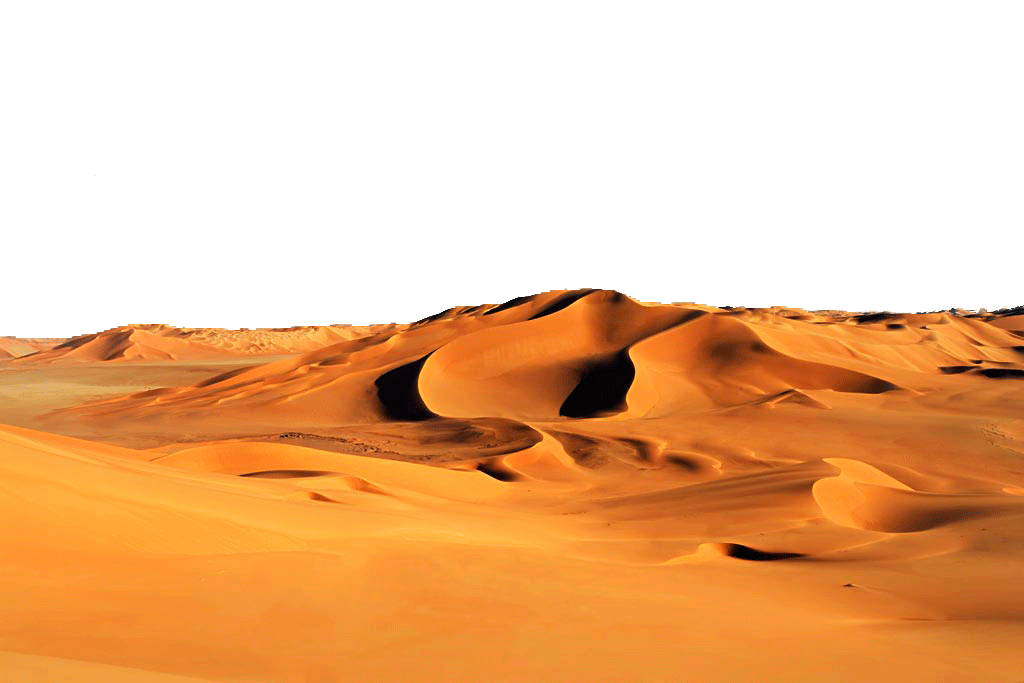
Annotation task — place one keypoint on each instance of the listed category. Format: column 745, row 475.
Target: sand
column 570, row 485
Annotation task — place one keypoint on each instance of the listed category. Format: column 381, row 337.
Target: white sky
column 268, row 164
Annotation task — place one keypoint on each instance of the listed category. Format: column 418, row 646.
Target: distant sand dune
column 162, row 342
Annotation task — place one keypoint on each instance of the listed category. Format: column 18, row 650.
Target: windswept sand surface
column 571, row 486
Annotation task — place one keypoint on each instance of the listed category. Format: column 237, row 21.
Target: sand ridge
column 164, row 342
column 621, row 357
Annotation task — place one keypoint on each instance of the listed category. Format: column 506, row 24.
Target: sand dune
column 13, row 347
column 521, row 362
column 163, row 342
column 573, row 484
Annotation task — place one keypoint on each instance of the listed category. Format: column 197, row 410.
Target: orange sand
column 570, row 486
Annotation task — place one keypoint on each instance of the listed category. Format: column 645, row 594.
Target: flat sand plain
column 569, row 485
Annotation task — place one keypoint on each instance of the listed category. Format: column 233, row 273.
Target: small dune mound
column 692, row 463
column 792, row 397
column 738, row 551
column 545, row 461
column 256, row 460
column 317, row 497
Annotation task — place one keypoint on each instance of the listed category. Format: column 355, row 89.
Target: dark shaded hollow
column 492, row 435
column 285, row 474
column 511, row 303
column 955, row 369
column 432, row 318
column 562, row 302
column 682, row 462
column 497, row 472
column 399, row 395
column 223, row 376
column 743, row 552
column 874, row 317
column 602, row 388
column 1002, row 373
column 872, row 385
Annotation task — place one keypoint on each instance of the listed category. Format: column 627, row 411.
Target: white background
column 270, row 164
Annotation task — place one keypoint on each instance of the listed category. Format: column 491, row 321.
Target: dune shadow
column 743, row 552
column 602, row 388
column 286, row 474
column 399, row 394
column 1002, row 373
column 497, row 471
column 562, row 302
column 511, row 303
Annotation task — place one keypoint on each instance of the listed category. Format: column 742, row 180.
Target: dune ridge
column 164, row 342
column 622, row 357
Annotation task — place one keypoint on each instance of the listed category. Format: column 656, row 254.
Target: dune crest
column 589, row 354
column 163, row 342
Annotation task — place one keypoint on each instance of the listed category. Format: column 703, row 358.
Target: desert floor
column 573, row 485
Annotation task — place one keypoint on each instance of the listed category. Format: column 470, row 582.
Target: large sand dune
column 570, row 485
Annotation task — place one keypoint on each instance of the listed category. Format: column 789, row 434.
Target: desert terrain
column 573, row 485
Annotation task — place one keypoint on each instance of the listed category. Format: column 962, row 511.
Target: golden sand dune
column 571, row 485
column 592, row 354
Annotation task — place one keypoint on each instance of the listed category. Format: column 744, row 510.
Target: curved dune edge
column 717, row 550
column 545, row 461
column 863, row 497
column 245, row 459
